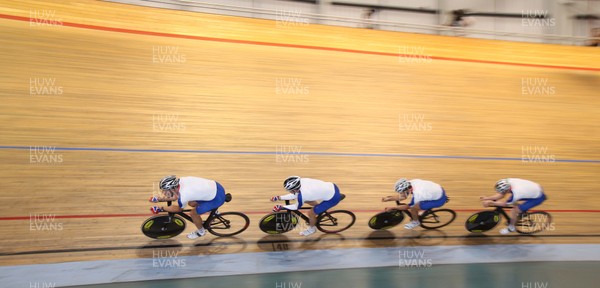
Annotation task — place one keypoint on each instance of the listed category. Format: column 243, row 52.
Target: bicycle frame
column 406, row 211
column 298, row 213
column 500, row 210
column 302, row 215
column 205, row 223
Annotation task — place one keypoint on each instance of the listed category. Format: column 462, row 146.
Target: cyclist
column 520, row 190
column 425, row 195
column 203, row 194
column 309, row 191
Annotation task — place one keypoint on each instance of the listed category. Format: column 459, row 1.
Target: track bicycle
column 327, row 222
column 429, row 219
column 527, row 222
column 169, row 224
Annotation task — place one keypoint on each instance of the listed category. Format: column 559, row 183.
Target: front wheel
column 163, row 226
column 386, row 220
column 335, row 221
column 228, row 224
column 482, row 221
column 534, row 222
column 438, row 218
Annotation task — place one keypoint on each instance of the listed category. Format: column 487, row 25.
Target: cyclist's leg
column 514, row 214
column 197, row 220
column 206, row 206
column 516, row 211
column 194, row 213
column 414, row 215
column 320, row 208
column 312, row 217
column 530, row 203
column 525, row 206
column 215, row 203
column 325, row 205
column 513, row 218
column 414, row 210
column 424, row 205
column 430, row 204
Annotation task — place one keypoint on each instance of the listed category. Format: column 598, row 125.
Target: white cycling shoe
column 412, row 224
column 507, row 230
column 310, row 230
column 197, row 234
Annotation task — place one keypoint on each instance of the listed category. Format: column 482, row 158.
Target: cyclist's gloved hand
column 277, row 208
column 274, row 198
column 156, row 210
column 153, row 199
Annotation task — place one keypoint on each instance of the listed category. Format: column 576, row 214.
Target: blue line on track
column 299, row 153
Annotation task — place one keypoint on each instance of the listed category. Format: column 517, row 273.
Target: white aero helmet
column 402, row 185
column 168, row 182
column 292, row 183
column 502, row 186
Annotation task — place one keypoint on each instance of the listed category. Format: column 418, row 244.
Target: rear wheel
column 386, row 220
column 482, row 221
column 438, row 218
column 534, row 222
column 335, row 221
column 278, row 223
column 228, row 224
column 163, row 226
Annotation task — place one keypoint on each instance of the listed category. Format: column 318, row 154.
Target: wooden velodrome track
column 228, row 92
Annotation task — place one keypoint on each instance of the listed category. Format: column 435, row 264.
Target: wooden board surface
column 179, row 103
